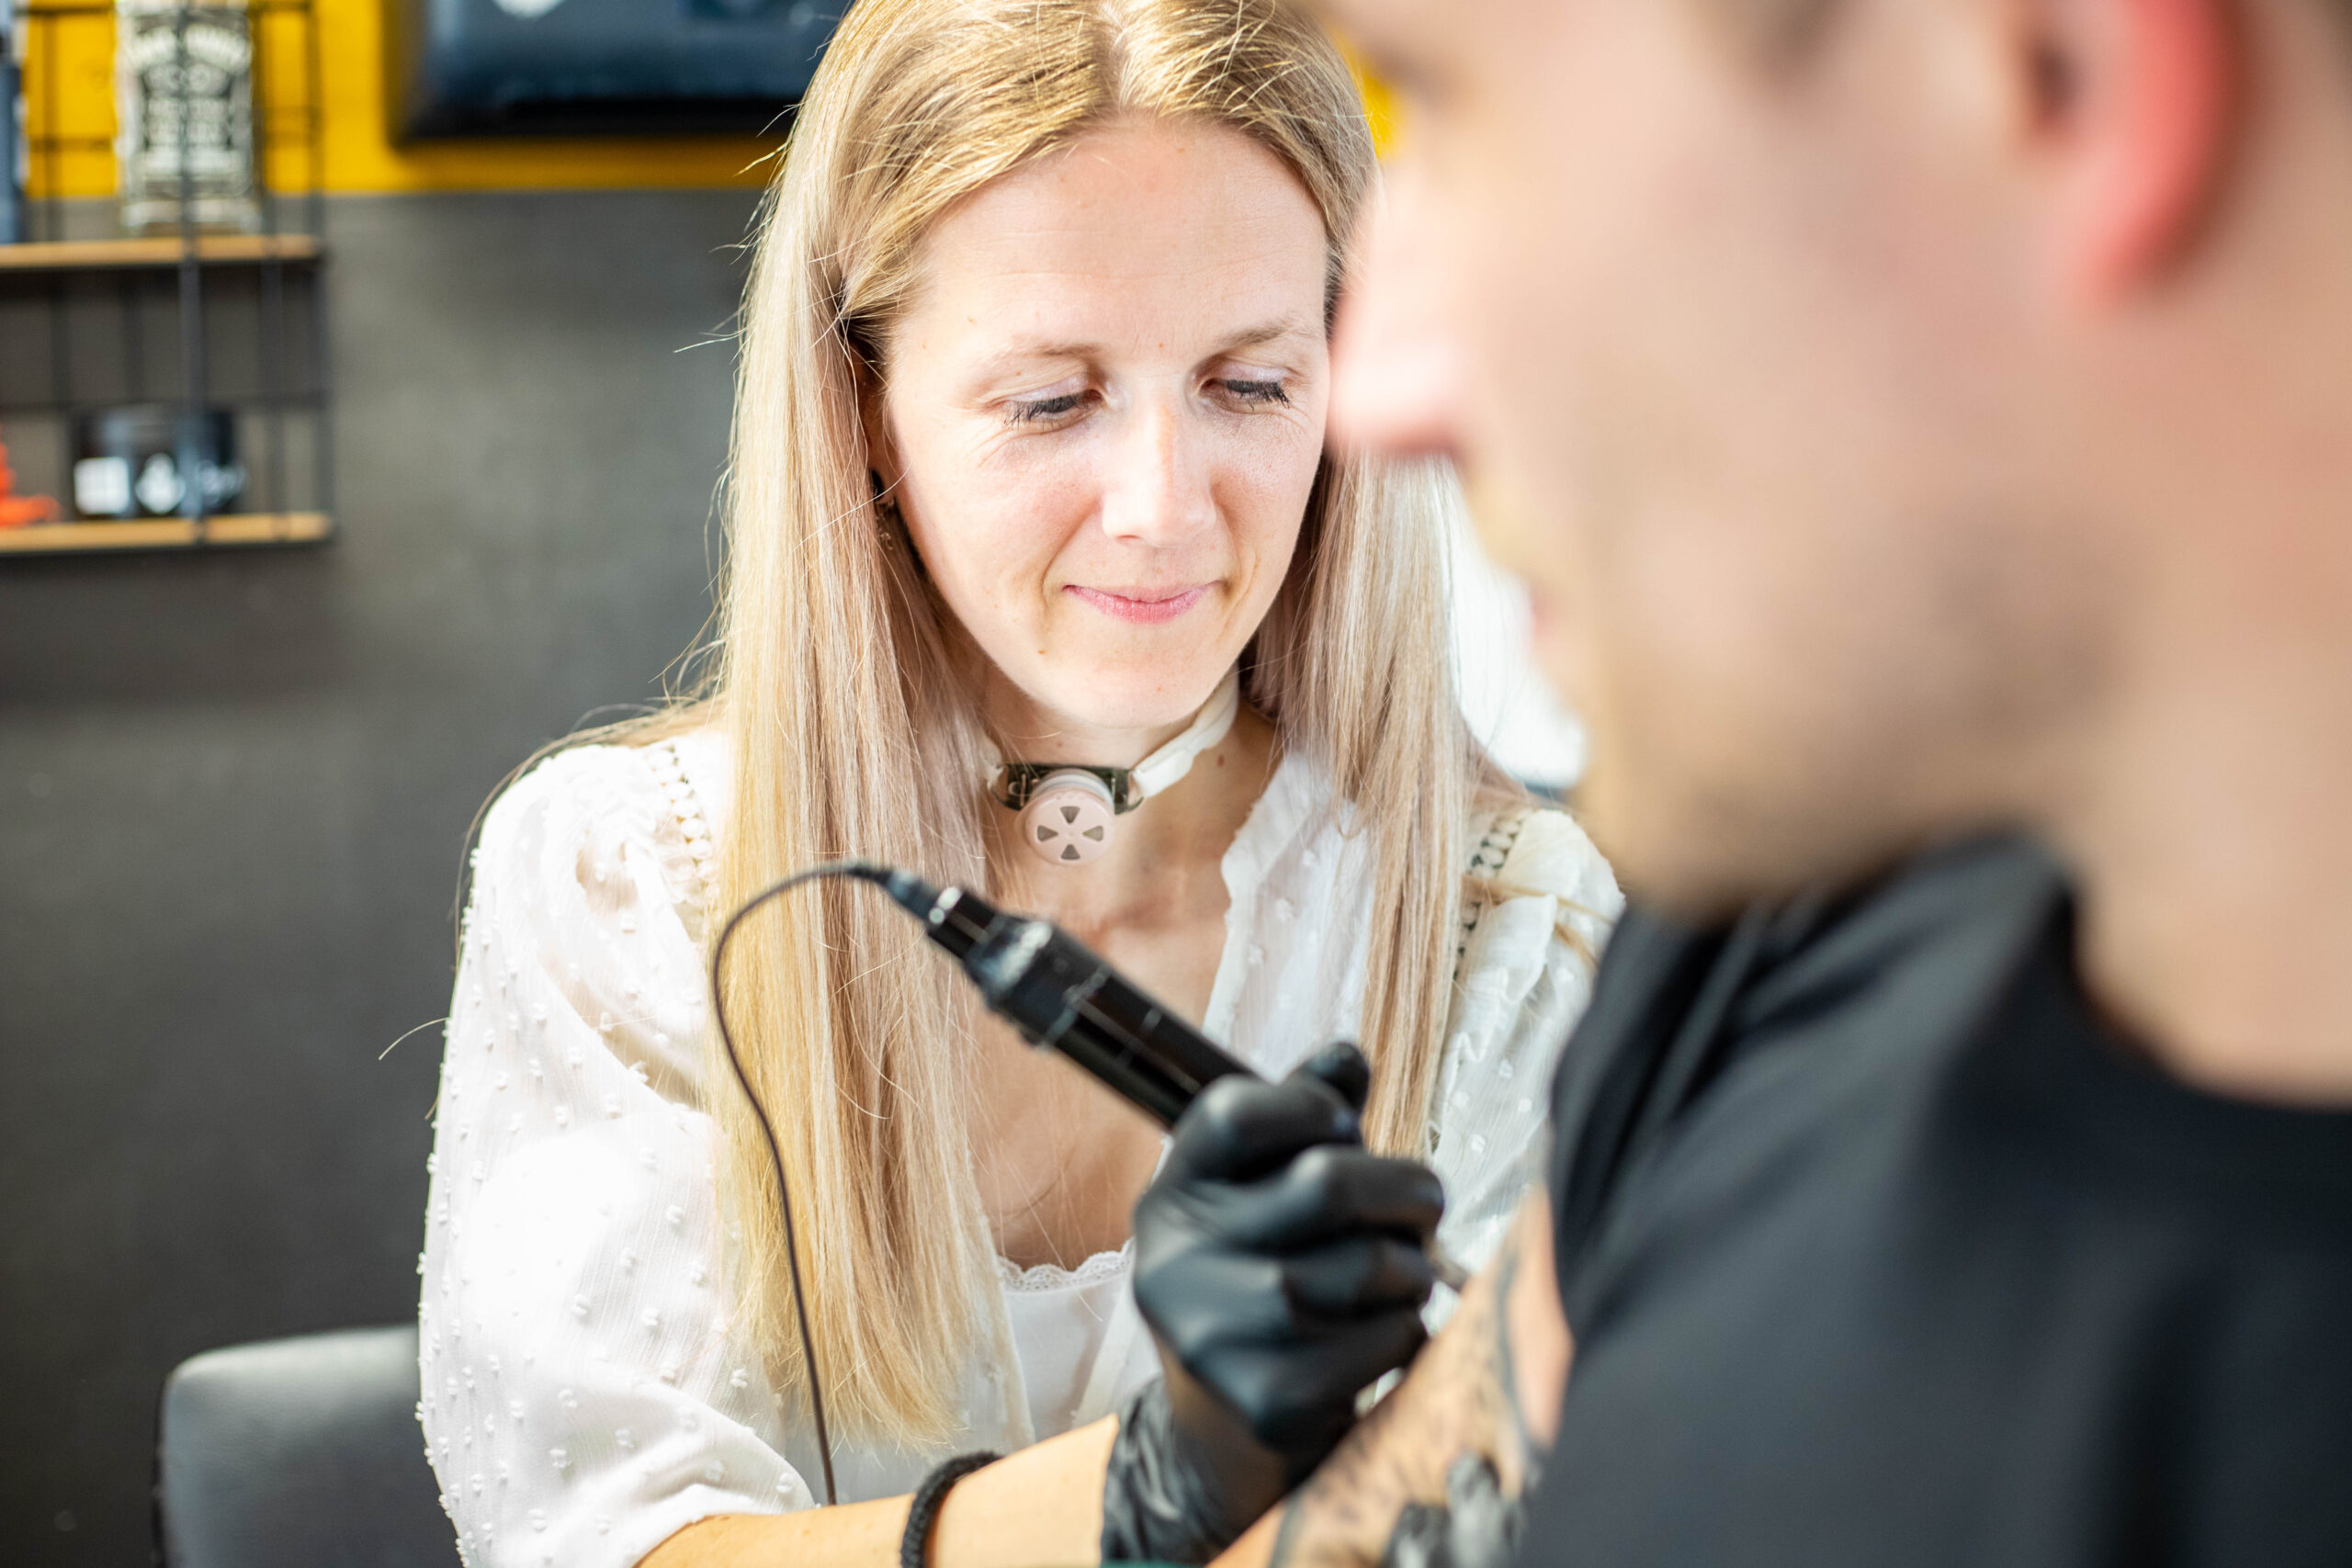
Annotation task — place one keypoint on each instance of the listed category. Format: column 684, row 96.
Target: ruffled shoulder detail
column 690, row 773
column 1552, row 855
column 1541, row 897
column 1541, row 904
column 585, row 870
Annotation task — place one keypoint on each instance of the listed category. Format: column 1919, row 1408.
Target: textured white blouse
column 585, row 1391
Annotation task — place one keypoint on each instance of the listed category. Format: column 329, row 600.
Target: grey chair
column 299, row 1453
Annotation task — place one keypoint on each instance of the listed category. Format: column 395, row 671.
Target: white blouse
column 587, row 1391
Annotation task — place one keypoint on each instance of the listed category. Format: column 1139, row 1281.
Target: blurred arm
column 1489, row 1386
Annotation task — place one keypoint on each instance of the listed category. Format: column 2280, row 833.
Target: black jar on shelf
column 141, row 460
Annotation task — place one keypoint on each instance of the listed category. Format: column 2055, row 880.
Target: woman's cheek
column 1267, row 493
column 1027, row 542
column 1011, row 512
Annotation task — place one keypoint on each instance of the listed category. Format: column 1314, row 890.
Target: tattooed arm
column 1488, row 1387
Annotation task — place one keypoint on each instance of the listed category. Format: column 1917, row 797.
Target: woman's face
column 1104, row 417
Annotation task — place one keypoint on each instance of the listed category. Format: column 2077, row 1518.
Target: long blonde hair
column 851, row 734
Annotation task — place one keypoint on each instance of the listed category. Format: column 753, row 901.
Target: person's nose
column 1396, row 364
column 1160, row 493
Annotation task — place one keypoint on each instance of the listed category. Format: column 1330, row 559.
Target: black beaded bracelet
column 914, row 1546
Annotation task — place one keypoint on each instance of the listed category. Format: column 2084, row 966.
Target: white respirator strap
column 1067, row 810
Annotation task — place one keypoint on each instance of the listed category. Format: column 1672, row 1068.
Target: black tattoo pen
column 1062, row 997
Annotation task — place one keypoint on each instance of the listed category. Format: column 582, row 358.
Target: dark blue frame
column 470, row 68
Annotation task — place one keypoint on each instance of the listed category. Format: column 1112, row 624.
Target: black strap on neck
column 1016, row 784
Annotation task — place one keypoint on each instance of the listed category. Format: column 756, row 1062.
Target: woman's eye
column 1251, row 391
column 1040, row 410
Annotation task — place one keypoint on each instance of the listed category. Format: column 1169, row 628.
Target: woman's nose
column 1158, row 492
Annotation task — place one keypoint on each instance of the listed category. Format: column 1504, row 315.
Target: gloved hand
column 1282, row 1269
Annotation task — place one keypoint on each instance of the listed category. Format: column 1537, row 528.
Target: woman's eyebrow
column 1271, row 332
column 1015, row 357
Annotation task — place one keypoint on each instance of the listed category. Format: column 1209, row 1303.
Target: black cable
column 864, row 871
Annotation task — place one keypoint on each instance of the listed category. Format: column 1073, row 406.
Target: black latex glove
column 1282, row 1269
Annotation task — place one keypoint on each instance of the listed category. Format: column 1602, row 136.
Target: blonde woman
column 1027, row 474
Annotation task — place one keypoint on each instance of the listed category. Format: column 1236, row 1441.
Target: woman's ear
column 881, row 450
column 884, row 472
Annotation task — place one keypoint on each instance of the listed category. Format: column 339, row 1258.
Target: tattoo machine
column 1064, row 997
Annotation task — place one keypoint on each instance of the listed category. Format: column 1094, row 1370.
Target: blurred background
column 364, row 381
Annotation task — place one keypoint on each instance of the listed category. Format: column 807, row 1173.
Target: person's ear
column 2135, row 99
column 881, row 448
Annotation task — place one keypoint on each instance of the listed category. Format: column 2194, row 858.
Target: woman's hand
column 1282, row 1269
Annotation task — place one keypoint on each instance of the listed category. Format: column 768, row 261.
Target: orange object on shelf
column 19, row 511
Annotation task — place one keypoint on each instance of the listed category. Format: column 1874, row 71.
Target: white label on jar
column 160, row 485
column 102, row 487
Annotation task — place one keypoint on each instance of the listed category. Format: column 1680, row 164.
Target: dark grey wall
column 234, row 792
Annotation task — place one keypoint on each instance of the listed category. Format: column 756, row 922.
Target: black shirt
column 1877, row 1250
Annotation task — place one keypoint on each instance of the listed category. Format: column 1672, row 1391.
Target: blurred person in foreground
column 1927, row 428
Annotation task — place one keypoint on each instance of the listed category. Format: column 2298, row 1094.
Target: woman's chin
column 1138, row 697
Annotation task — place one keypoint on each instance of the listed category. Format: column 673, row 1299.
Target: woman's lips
column 1148, row 606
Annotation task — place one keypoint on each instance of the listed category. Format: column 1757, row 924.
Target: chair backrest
column 299, row 1453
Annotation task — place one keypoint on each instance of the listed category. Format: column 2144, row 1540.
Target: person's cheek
column 1288, row 487
column 1049, row 522
column 990, row 510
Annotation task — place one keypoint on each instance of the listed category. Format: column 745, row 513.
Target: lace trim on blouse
column 1495, row 844
column 696, row 881
column 1102, row 1266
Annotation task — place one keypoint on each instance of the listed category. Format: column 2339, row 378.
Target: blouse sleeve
column 585, row 1396
column 1525, row 975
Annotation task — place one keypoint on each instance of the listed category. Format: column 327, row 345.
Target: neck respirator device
column 1069, row 812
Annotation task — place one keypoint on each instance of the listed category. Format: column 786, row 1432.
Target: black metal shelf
column 275, row 277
